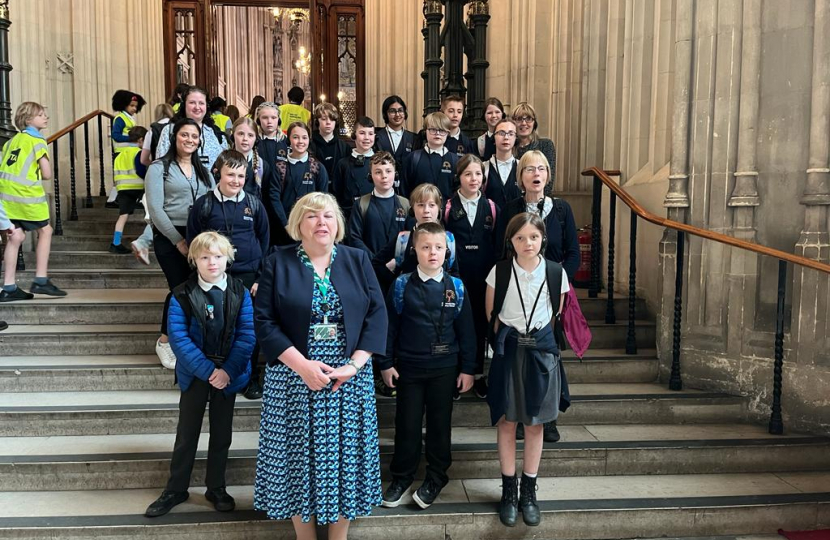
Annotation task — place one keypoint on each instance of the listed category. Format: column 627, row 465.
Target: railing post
column 21, row 262
column 58, row 223
column 596, row 218
column 776, row 422
column 88, row 201
column 631, row 337
column 102, row 190
column 73, row 212
column 610, row 316
column 675, row 381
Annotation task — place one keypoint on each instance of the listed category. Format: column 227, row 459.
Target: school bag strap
column 364, row 201
column 451, row 248
column 206, row 208
column 553, row 276
column 403, row 280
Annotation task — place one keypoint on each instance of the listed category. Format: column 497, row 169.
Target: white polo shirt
column 530, row 282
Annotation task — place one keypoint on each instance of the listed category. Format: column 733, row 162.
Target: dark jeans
column 419, row 391
column 248, row 279
column 174, row 265
column 191, row 412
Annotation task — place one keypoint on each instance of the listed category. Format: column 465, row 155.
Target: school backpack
column 449, row 205
column 206, row 208
column 364, row 201
column 282, row 167
column 403, row 240
column 400, row 286
column 504, row 268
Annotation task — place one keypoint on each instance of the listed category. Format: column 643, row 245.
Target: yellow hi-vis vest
column 129, row 123
column 221, row 121
column 291, row 113
column 124, row 170
column 21, row 189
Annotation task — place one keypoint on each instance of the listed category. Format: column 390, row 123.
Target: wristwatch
column 353, row 363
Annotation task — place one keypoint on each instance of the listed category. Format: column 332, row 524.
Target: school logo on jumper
column 449, row 298
column 446, row 167
column 400, row 214
column 459, row 213
column 282, row 154
column 307, row 179
column 488, row 222
column 460, row 149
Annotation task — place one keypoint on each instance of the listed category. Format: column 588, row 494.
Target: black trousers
column 421, row 391
column 174, row 265
column 248, row 279
column 476, row 291
column 191, row 412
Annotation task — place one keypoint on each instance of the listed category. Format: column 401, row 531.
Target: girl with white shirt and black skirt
column 173, row 183
column 471, row 217
column 525, row 294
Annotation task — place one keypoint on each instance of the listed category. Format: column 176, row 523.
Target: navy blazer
column 282, row 314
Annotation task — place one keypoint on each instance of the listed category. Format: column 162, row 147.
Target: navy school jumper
column 406, row 146
column 501, row 190
column 422, row 167
column 352, row 179
column 384, row 219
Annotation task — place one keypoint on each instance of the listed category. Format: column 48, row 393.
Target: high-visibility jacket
column 126, row 176
column 21, row 189
column 291, row 113
column 221, row 121
column 129, row 123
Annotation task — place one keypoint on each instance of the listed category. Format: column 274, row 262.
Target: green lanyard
column 322, row 283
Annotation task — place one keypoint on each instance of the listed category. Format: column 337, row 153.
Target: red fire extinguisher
column 582, row 278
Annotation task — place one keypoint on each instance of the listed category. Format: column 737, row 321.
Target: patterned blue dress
column 318, row 451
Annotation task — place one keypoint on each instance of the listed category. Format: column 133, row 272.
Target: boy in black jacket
column 353, row 175
column 379, row 216
column 457, row 142
column 434, row 310
column 241, row 218
column 326, row 146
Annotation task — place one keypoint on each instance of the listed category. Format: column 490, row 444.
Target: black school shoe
column 509, row 504
column 427, row 493
column 48, row 289
column 17, row 294
column 165, row 503
column 254, row 390
column 120, row 249
column 222, row 502
column 394, row 493
column 111, row 204
column 480, row 387
column 3, row 325
column 551, row 433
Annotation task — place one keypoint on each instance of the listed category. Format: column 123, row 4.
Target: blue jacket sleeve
column 244, row 341
column 275, row 196
column 373, row 333
column 118, row 126
column 387, row 360
column 356, row 231
column 189, row 357
column 267, row 318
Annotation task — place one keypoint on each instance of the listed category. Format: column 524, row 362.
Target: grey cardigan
column 170, row 199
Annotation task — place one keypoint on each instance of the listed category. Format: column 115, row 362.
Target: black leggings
column 174, row 265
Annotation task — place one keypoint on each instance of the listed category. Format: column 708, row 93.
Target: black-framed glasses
column 437, row 131
column 396, row 111
column 524, row 119
column 502, row 133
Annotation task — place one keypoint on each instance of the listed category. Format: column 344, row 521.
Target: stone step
column 78, row 228
column 67, row 339
column 139, row 278
column 95, row 260
column 89, row 306
column 143, row 461
column 106, row 214
column 92, row 242
column 143, row 372
column 156, row 411
column 606, row 507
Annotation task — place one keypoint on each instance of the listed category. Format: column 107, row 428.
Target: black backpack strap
column 502, row 283
column 205, row 209
column 559, row 209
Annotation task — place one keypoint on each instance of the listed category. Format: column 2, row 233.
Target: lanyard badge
column 323, row 331
column 528, row 339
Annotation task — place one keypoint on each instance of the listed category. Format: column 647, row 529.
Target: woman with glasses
column 560, row 243
column 527, row 137
column 394, row 137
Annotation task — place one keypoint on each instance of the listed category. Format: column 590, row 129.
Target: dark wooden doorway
column 337, row 55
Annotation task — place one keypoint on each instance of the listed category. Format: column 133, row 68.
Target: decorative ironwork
column 88, row 201
column 596, row 208
column 4, row 9
column 776, row 421
column 56, row 161
column 631, row 336
column 185, row 45
column 102, row 189
column 73, row 198
column 675, row 380
column 610, row 316
column 7, row 130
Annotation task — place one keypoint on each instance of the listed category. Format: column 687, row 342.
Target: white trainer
column 166, row 355
column 141, row 253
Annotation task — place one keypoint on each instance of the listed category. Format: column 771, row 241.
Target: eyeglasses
column 396, row 111
column 508, row 134
column 530, row 169
column 436, row 131
column 524, row 119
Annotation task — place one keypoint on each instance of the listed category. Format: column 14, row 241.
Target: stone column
column 7, row 130
column 677, row 197
column 810, row 287
column 743, row 265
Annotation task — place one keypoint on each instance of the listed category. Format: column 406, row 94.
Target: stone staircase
column 87, row 421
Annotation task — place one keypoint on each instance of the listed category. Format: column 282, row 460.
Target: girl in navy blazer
column 319, row 317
